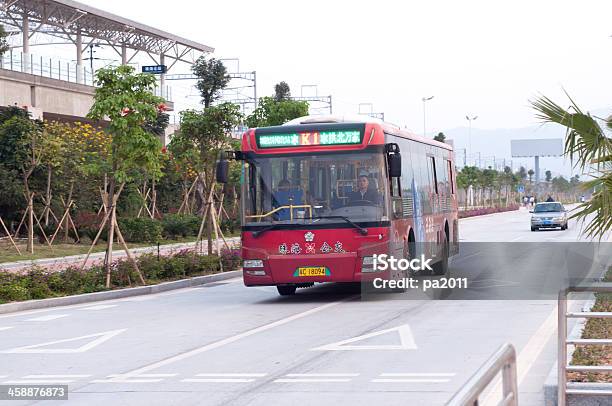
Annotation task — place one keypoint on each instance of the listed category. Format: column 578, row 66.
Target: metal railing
column 563, row 342
column 58, row 69
column 503, row 360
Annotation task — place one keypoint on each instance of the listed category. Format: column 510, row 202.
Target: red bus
column 322, row 195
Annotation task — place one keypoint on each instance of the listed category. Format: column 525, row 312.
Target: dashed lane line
column 6, row 328
column 232, row 375
column 417, row 374
column 312, row 380
column 54, row 376
column 333, row 375
column 218, row 380
column 99, row 307
column 409, row 380
column 37, row 381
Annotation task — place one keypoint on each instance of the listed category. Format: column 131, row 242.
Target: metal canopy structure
column 83, row 25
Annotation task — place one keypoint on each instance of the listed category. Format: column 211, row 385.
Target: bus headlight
column 367, row 264
column 252, row 263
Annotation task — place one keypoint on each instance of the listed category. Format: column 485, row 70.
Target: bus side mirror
column 395, row 165
column 222, row 170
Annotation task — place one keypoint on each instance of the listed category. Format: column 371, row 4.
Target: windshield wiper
column 263, row 230
column 362, row 231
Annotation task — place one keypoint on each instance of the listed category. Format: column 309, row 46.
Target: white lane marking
column 516, row 239
column 49, row 317
column 218, row 380
column 6, row 328
column 41, row 381
column 312, row 380
column 99, row 307
column 3, row 376
column 235, row 375
column 116, row 380
column 528, row 355
column 405, row 335
column 144, row 376
column 53, row 376
column 232, row 339
column 38, row 348
column 320, row 375
column 409, row 380
column 417, row 374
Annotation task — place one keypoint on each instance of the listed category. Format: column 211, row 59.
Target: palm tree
column 591, row 149
column 531, row 172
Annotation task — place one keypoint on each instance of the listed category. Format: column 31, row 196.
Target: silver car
column 548, row 215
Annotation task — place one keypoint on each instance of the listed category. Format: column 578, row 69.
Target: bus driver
column 364, row 192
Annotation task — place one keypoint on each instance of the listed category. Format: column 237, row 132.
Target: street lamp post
column 470, row 119
column 425, row 99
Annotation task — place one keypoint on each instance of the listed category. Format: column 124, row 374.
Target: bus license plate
column 312, row 271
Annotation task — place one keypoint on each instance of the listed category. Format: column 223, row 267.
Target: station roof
column 65, row 18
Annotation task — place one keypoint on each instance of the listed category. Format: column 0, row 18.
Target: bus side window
column 450, row 177
column 433, row 178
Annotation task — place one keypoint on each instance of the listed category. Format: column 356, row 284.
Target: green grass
column 9, row 254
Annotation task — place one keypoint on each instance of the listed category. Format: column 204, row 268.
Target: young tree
column 282, row 91
column 3, row 44
column 270, row 112
column 212, row 79
column 208, row 131
column 126, row 100
column 440, row 137
column 590, row 148
column 548, row 176
column 468, row 177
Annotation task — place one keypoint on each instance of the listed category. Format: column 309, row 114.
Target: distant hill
column 496, row 143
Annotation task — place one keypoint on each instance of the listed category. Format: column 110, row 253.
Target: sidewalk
column 98, row 257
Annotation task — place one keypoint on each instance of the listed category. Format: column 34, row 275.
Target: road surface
column 225, row 344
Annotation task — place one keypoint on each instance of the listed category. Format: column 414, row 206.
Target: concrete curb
column 116, row 294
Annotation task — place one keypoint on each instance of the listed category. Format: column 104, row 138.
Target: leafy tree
column 548, row 176
column 3, row 44
column 126, row 100
column 468, row 176
column 522, row 173
column 212, row 79
column 270, row 112
column 588, row 146
column 530, row 172
column 282, row 91
column 440, row 137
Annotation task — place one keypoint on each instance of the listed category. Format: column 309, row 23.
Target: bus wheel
column 441, row 267
column 286, row 290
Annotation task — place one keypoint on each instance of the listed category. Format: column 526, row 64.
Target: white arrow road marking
column 53, row 376
column 405, row 334
column 232, row 339
column 49, row 317
column 39, row 348
column 312, row 380
column 410, row 380
column 6, row 328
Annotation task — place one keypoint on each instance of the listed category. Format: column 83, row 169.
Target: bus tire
column 286, row 290
column 441, row 267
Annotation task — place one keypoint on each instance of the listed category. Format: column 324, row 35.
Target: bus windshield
column 315, row 188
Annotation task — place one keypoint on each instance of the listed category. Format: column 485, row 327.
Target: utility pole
column 425, row 99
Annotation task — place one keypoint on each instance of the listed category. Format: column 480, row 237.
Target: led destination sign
column 309, row 138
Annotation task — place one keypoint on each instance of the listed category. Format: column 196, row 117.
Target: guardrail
column 503, row 360
column 58, row 69
column 563, row 342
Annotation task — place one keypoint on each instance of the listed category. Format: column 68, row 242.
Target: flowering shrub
column 230, row 258
column 486, row 210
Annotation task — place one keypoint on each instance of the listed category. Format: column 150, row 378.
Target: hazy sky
column 480, row 57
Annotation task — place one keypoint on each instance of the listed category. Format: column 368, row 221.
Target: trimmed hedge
column 486, row 210
column 39, row 283
column 175, row 225
column 143, row 229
